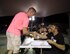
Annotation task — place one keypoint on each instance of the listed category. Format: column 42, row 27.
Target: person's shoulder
column 60, row 35
column 21, row 13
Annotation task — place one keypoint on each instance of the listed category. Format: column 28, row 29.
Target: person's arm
column 44, row 35
column 60, row 46
column 40, row 36
column 27, row 32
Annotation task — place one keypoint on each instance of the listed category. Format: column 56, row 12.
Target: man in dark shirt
column 56, row 40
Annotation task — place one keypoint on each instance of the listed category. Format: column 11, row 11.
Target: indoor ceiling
column 43, row 7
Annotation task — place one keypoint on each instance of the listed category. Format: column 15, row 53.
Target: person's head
column 31, row 11
column 49, row 28
column 43, row 29
column 53, row 28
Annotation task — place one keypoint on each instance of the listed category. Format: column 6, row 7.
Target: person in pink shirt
column 13, row 33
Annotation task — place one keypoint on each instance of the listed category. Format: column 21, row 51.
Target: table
column 37, row 44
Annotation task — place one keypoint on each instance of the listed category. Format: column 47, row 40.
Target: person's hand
column 50, row 41
column 45, row 32
column 33, row 34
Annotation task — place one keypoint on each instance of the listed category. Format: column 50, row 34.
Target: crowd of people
column 51, row 33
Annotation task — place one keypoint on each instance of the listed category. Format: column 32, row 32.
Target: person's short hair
column 58, row 26
column 32, row 8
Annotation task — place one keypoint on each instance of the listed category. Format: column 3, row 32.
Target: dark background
column 62, row 19
column 53, row 11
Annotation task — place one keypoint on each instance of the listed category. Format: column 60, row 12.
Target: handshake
column 33, row 34
column 36, row 35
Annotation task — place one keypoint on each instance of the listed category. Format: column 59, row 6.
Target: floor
column 3, row 44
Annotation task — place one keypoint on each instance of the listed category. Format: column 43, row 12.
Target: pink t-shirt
column 19, row 21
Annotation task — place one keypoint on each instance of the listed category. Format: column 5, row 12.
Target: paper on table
column 28, row 41
column 39, row 42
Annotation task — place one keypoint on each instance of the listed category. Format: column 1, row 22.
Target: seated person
column 41, row 34
column 56, row 40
